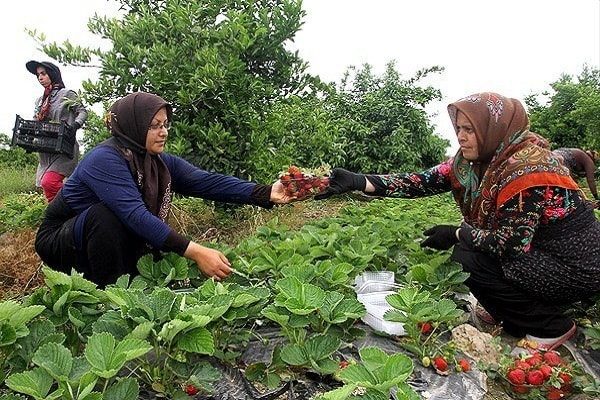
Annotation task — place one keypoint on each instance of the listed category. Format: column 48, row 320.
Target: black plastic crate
column 43, row 137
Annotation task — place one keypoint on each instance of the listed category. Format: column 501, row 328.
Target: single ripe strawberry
column 516, row 376
column 344, row 364
column 555, row 394
column 546, row 370
column 522, row 365
column 191, row 390
column 464, row 365
column 535, row 377
column 552, row 358
column 520, row 389
column 535, row 359
column 425, row 327
column 440, row 364
column 566, row 382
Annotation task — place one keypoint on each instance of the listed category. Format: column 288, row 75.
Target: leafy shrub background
column 244, row 103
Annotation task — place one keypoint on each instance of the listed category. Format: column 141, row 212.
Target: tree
column 221, row 63
column 384, row 122
column 571, row 116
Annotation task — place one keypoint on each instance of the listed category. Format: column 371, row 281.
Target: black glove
column 342, row 181
column 440, row 237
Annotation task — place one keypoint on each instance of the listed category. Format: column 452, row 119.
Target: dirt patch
column 19, row 264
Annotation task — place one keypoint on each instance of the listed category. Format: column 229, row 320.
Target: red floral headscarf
column 511, row 158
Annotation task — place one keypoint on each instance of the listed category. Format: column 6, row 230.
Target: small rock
column 475, row 344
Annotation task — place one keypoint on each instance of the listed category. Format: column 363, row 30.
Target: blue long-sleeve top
column 103, row 176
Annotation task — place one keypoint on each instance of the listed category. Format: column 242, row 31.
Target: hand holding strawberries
column 342, row 181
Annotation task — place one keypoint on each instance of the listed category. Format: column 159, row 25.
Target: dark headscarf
column 511, row 158
column 56, row 82
column 52, row 70
column 129, row 121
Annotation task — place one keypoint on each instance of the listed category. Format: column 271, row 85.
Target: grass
column 204, row 222
column 16, row 180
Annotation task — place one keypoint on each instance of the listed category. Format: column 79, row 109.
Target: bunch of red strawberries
column 541, row 372
column 301, row 184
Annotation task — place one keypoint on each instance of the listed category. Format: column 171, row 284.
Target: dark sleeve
column 519, row 219
column 190, row 180
column 433, row 181
column 261, row 196
column 107, row 174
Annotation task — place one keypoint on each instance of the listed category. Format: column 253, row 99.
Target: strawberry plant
column 412, row 306
column 374, row 376
column 170, row 269
column 174, row 325
column 235, row 308
column 14, row 320
column 18, row 356
column 592, row 334
column 313, row 353
column 71, row 302
column 59, row 375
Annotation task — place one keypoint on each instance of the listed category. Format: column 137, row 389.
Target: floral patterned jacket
column 519, row 217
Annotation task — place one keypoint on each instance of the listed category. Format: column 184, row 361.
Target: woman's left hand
column 279, row 195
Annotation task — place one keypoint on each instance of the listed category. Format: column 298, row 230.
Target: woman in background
column 581, row 164
column 57, row 104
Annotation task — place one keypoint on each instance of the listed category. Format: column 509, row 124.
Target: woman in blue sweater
column 114, row 207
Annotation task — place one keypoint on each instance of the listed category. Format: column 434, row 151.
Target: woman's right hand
column 342, row 181
column 210, row 262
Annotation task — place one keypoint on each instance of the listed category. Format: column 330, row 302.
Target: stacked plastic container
column 372, row 287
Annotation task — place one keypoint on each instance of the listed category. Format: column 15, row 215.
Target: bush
column 14, row 157
column 21, row 210
column 384, row 123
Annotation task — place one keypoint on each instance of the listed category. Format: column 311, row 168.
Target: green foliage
column 315, row 353
column 15, row 157
column 17, row 169
column 95, row 131
column 21, row 210
column 384, row 123
column 168, row 270
column 571, row 116
column 72, row 304
column 220, row 63
column 376, row 374
column 74, row 378
column 592, row 335
column 298, row 130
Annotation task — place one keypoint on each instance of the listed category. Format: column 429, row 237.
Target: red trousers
column 51, row 183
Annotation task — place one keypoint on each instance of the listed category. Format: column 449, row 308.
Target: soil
column 19, row 264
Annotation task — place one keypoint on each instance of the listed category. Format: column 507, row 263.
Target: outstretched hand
column 440, row 237
column 342, row 181
column 279, row 195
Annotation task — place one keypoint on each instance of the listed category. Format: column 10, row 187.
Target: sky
column 513, row 47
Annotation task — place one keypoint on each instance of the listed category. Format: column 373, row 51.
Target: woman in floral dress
column 529, row 240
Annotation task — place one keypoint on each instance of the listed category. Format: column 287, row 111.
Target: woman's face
column 158, row 132
column 43, row 77
column 466, row 137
